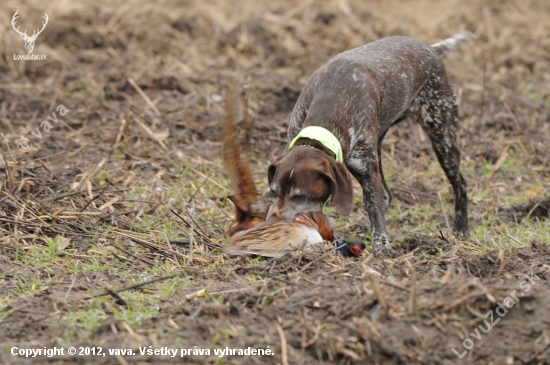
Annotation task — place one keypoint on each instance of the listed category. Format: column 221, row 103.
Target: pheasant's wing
column 239, row 172
column 306, row 220
column 274, row 234
column 273, row 239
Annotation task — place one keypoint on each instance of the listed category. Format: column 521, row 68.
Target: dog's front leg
column 364, row 166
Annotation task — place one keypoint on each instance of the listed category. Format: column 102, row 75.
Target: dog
column 340, row 120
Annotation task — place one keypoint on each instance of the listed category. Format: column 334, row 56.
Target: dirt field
column 121, row 125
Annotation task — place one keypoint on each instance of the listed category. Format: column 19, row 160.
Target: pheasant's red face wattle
column 355, row 249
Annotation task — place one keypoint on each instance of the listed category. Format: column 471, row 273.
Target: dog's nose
column 275, row 188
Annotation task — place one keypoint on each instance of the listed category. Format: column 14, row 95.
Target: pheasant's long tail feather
column 239, row 172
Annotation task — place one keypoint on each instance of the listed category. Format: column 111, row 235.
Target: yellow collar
column 324, row 136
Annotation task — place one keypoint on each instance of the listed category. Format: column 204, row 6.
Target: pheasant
column 275, row 239
column 251, row 234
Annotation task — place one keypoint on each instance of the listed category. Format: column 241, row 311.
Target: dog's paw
column 382, row 245
column 463, row 233
column 386, row 251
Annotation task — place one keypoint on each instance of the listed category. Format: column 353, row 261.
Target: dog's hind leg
column 439, row 119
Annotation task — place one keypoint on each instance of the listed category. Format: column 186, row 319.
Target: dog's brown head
column 302, row 180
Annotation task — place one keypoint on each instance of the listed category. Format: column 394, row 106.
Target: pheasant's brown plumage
column 275, row 239
column 325, row 229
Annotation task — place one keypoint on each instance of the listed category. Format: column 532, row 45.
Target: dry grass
column 155, row 143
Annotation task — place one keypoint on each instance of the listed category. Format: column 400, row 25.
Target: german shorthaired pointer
column 343, row 114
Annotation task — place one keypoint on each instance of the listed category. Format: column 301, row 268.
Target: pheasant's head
column 350, row 247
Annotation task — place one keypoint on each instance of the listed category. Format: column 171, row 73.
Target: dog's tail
column 450, row 44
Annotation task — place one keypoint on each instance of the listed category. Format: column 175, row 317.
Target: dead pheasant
column 275, row 239
column 250, row 234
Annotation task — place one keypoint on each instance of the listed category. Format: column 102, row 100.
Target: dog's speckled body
column 358, row 95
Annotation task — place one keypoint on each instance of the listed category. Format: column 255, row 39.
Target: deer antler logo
column 29, row 40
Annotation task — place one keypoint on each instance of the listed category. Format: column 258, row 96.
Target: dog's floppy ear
column 340, row 187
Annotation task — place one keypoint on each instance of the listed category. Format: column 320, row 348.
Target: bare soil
column 308, row 307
